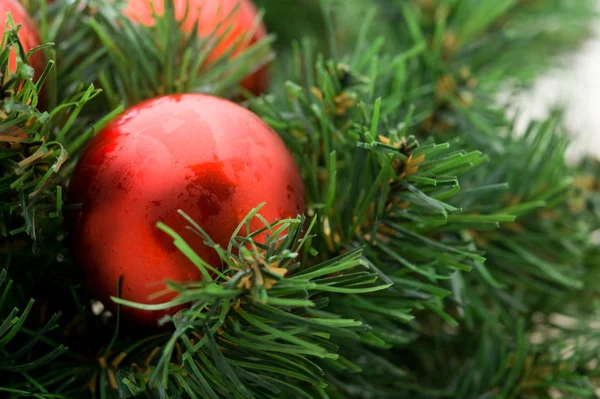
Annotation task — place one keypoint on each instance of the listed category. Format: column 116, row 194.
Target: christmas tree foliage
column 442, row 254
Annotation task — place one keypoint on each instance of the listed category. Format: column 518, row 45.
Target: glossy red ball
column 204, row 155
column 215, row 18
column 27, row 33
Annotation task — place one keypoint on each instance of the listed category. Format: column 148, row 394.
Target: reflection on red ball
column 27, row 33
column 234, row 22
column 207, row 156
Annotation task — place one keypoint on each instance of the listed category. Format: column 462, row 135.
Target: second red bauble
column 228, row 19
column 27, row 33
column 207, row 156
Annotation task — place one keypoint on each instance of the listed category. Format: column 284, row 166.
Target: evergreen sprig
column 153, row 60
column 440, row 251
column 259, row 326
column 36, row 143
column 19, row 345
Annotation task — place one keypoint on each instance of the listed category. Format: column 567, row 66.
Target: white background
column 576, row 87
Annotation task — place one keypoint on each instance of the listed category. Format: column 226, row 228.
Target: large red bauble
column 204, row 155
column 27, row 33
column 215, row 18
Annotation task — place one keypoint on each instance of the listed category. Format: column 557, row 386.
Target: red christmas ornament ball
column 27, row 33
column 218, row 18
column 204, row 155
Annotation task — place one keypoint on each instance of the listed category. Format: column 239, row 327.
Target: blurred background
column 575, row 87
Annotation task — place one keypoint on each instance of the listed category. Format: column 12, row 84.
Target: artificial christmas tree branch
column 550, row 198
column 167, row 59
column 435, row 253
column 258, row 318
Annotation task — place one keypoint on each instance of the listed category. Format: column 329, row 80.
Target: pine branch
column 472, row 50
column 19, row 348
column 497, row 41
column 253, row 329
column 373, row 185
column 422, row 278
column 318, row 120
column 34, row 149
column 250, row 330
column 543, row 251
column 132, row 62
